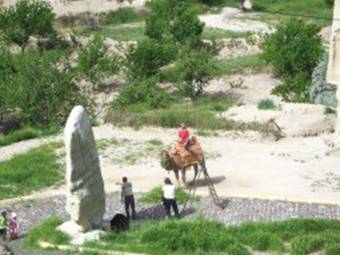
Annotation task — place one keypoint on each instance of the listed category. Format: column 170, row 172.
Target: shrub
column 330, row 2
column 333, row 249
column 266, row 104
column 295, row 47
column 174, row 20
column 145, row 60
column 195, row 67
column 121, row 16
column 294, row 89
column 27, row 18
column 94, row 63
column 143, row 92
column 306, row 244
column 47, row 232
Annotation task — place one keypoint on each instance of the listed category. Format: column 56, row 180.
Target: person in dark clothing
column 169, row 198
column 128, row 198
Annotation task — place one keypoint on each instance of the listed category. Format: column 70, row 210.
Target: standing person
column 169, row 198
column 3, row 226
column 13, row 226
column 128, row 198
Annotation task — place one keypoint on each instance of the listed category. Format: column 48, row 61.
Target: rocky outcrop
column 85, row 186
column 322, row 92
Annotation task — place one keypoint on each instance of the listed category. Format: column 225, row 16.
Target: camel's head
column 166, row 160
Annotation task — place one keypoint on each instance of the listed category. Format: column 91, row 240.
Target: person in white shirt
column 169, row 198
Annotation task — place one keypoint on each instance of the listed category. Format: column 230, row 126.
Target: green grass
column 47, row 232
column 317, row 8
column 201, row 114
column 123, row 16
column 214, row 34
column 266, row 104
column 200, row 236
column 224, row 67
column 239, row 65
column 24, row 134
column 28, row 172
column 154, row 196
column 119, row 33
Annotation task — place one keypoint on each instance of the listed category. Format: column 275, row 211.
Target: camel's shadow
column 203, row 182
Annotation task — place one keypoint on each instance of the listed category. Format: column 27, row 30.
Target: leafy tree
column 148, row 57
column 43, row 91
column 195, row 67
column 7, row 71
column 295, row 47
column 27, row 18
column 94, row 63
column 294, row 50
column 173, row 20
column 143, row 91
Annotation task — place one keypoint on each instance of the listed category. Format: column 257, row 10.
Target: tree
column 295, row 47
column 173, row 20
column 27, row 18
column 43, row 91
column 148, row 57
column 94, row 62
column 195, row 67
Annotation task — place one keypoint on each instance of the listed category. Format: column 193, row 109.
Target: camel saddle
column 194, row 154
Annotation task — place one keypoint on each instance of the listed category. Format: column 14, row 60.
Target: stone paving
column 237, row 210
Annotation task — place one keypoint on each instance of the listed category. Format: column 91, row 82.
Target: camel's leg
column 177, row 176
column 183, row 177
column 196, row 171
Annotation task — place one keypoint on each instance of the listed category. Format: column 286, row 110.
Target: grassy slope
column 32, row 171
column 199, row 236
column 200, row 114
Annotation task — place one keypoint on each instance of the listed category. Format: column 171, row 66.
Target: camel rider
column 184, row 136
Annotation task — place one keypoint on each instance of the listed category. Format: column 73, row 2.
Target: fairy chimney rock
column 85, row 186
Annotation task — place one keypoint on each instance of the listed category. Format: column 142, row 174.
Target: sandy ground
column 296, row 169
column 233, row 19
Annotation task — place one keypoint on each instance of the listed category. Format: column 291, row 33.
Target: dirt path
column 296, row 169
column 233, row 19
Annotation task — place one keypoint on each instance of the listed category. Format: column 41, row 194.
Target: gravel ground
column 237, row 210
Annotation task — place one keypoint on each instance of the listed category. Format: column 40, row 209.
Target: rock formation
column 333, row 72
column 85, row 186
column 246, row 5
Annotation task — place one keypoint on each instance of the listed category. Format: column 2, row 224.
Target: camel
column 173, row 162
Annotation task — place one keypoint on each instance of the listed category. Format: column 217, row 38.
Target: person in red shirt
column 184, row 136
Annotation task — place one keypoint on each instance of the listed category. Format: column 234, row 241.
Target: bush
column 94, row 63
column 27, row 18
column 195, row 68
column 174, row 20
column 6, row 90
column 266, row 104
column 294, row 89
column 306, row 244
column 330, row 2
column 121, row 16
column 295, row 47
column 145, row 60
column 333, row 249
column 43, row 92
column 143, row 92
